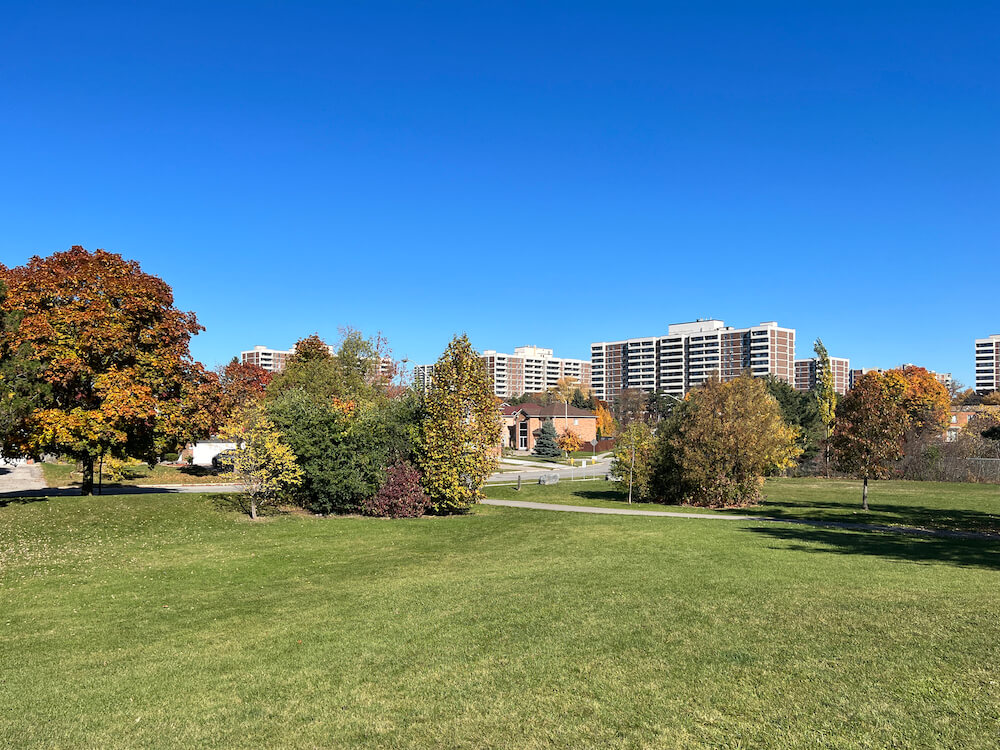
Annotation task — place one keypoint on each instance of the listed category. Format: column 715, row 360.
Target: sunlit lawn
column 932, row 505
column 163, row 621
column 67, row 475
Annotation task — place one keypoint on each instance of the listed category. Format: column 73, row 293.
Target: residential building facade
column 272, row 360
column 688, row 355
column 423, row 376
column 275, row 360
column 522, row 424
column 988, row 364
column 806, row 374
column 531, row 369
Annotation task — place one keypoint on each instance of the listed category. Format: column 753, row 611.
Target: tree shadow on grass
column 925, row 550
column 21, row 497
column 955, row 519
column 606, row 494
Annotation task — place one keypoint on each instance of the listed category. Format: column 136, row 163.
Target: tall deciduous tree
column 716, row 449
column 923, row 398
column 112, row 356
column 870, row 429
column 21, row 388
column 629, row 405
column 606, row 426
column 460, row 432
column 826, row 398
column 242, row 385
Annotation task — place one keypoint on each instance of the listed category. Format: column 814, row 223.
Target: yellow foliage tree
column 264, row 466
column 460, row 431
column 606, row 425
column 569, row 441
column 717, row 447
column 633, row 460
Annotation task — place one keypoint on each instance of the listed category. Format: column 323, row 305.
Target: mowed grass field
column 168, row 621
column 927, row 505
column 66, row 475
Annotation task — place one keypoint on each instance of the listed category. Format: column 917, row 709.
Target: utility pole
column 631, row 470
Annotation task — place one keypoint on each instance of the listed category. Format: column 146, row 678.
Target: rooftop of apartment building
column 702, row 325
column 528, row 352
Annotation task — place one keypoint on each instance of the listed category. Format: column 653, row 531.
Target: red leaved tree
column 112, row 352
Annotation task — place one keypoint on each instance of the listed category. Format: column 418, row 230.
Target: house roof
column 552, row 410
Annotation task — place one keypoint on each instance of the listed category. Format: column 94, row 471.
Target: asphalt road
column 565, row 472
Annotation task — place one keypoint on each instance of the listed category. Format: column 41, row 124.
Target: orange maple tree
column 113, row 354
column 922, row 396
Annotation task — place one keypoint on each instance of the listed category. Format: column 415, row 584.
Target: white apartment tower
column 688, row 355
column 272, row 360
column 531, row 369
column 423, row 376
column 988, row 364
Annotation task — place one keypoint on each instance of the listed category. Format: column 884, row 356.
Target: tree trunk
column 253, row 509
column 87, row 488
column 864, row 496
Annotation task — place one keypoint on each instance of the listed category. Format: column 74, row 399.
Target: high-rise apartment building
column 531, row 369
column 423, row 375
column 272, row 360
column 688, row 355
column 806, row 374
column 988, row 364
column 275, row 360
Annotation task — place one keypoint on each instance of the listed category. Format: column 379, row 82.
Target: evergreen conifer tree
column 546, row 444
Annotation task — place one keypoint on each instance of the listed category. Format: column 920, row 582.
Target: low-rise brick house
column 523, row 422
column 960, row 417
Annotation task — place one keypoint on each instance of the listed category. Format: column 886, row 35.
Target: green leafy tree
column 826, row 398
column 632, row 461
column 21, row 385
column 345, row 448
column 717, row 448
column 460, row 434
column 547, row 444
column 361, row 369
column 870, row 429
column 800, row 410
column 263, row 465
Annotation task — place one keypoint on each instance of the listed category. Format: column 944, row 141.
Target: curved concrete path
column 908, row 530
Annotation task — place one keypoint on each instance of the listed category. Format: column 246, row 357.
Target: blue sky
column 538, row 173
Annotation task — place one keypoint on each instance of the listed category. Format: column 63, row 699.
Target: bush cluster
column 400, row 496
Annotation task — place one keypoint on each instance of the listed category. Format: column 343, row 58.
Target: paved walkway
column 21, row 478
column 907, row 530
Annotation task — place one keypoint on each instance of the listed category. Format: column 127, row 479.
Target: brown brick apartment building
column 688, row 355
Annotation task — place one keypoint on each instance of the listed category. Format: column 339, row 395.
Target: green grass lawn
column 164, row 621
column 929, row 505
column 66, row 475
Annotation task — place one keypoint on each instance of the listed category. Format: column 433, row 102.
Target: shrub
column 715, row 449
column 400, row 496
column 169, row 457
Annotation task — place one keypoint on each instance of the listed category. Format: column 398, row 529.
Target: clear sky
column 537, row 173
